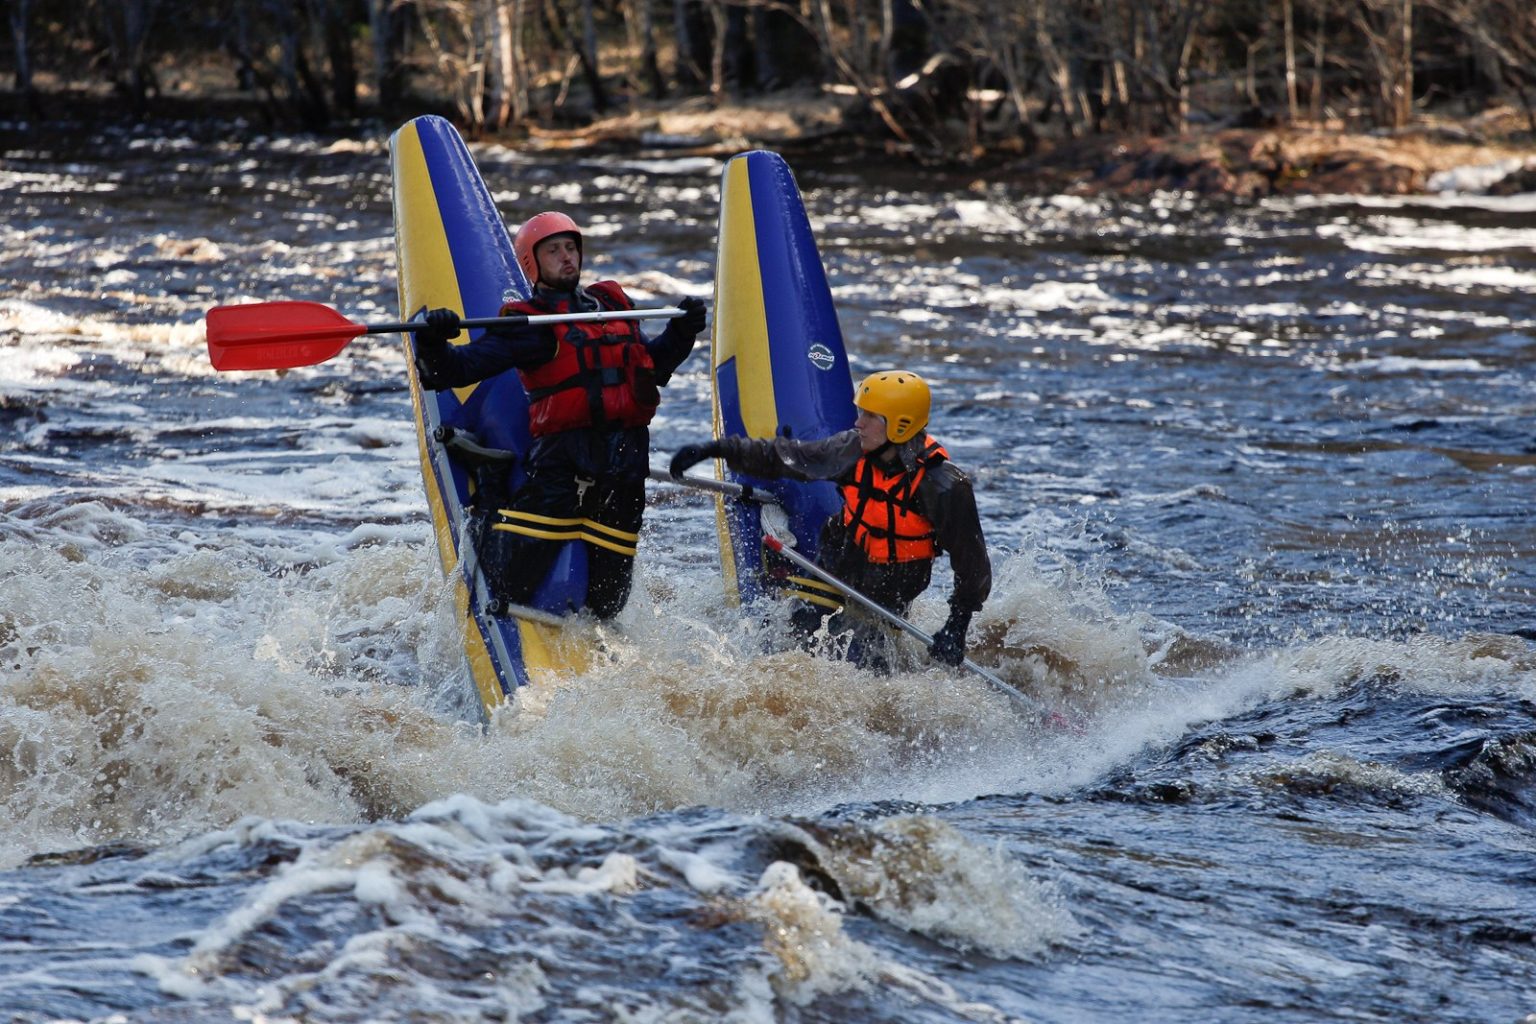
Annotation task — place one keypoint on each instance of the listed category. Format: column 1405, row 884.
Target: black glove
column 692, row 320
column 442, row 324
column 949, row 642
column 690, row 455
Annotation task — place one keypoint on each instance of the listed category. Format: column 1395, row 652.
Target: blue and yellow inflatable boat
column 779, row 369
column 453, row 251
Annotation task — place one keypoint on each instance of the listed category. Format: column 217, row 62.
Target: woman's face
column 871, row 428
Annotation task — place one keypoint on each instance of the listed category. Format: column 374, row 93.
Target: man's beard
column 563, row 283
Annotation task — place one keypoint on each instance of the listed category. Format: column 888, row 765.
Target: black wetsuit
column 943, row 496
column 589, row 472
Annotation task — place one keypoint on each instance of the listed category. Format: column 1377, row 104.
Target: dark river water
column 1256, row 481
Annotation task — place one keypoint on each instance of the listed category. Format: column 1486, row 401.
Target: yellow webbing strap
column 810, row 598
column 814, row 584
column 531, row 524
column 814, row 591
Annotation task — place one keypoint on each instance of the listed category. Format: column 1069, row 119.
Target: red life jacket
column 601, row 375
column 881, row 509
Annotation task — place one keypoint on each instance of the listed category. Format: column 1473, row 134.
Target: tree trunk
column 580, row 41
column 854, row 71
column 692, row 56
column 20, row 15
column 1008, row 39
column 127, row 23
column 1114, row 98
column 641, row 23
column 1387, row 42
column 335, row 30
column 590, row 67
column 1186, row 30
column 522, row 101
column 1058, row 70
column 499, row 69
column 1251, row 75
column 717, row 54
column 1319, row 61
column 384, row 28
column 1288, row 14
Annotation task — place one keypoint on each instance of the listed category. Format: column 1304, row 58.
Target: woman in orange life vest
column 903, row 503
column 592, row 390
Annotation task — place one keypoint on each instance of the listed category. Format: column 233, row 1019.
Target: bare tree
column 843, row 34
column 939, row 76
column 690, row 41
column 1288, row 19
column 971, row 42
column 127, row 24
column 1164, row 33
column 502, row 70
column 579, row 40
column 1502, row 35
column 457, row 53
column 331, row 26
column 385, row 32
column 640, row 24
column 1319, row 48
column 719, row 19
column 1052, row 30
column 1386, row 27
column 20, row 13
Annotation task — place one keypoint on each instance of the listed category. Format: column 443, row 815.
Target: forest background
column 1213, row 91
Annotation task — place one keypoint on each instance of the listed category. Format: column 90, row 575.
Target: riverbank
column 1491, row 153
column 1248, row 164
column 1494, row 152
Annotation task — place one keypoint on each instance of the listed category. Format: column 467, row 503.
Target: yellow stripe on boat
column 741, row 324
column 427, row 280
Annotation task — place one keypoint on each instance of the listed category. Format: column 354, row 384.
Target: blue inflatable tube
column 778, row 363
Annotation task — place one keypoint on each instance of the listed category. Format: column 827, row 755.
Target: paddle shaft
column 282, row 335
column 891, row 618
column 660, row 313
column 745, row 492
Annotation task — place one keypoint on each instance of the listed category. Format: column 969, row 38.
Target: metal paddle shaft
column 890, row 617
column 281, row 335
column 659, row 313
column 745, row 492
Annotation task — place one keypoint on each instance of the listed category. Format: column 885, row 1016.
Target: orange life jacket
column 601, row 374
column 880, row 508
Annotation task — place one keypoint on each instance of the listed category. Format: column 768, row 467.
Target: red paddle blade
column 276, row 335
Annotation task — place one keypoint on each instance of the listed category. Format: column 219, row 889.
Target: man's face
column 559, row 259
column 871, row 428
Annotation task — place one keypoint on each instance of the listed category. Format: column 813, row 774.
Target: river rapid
column 1256, row 480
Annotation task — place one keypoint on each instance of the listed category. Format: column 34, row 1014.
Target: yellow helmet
column 900, row 396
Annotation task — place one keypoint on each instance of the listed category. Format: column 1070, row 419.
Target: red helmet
column 537, row 228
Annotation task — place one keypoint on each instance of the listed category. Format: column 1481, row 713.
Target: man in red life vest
column 592, row 390
column 903, row 503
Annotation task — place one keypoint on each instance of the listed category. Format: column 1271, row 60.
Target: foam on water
column 1475, row 178
column 1299, row 463
column 1447, row 200
column 1460, row 279
column 923, row 875
column 177, row 679
column 196, row 689
column 1469, row 665
column 153, row 694
column 1405, row 234
column 398, row 896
